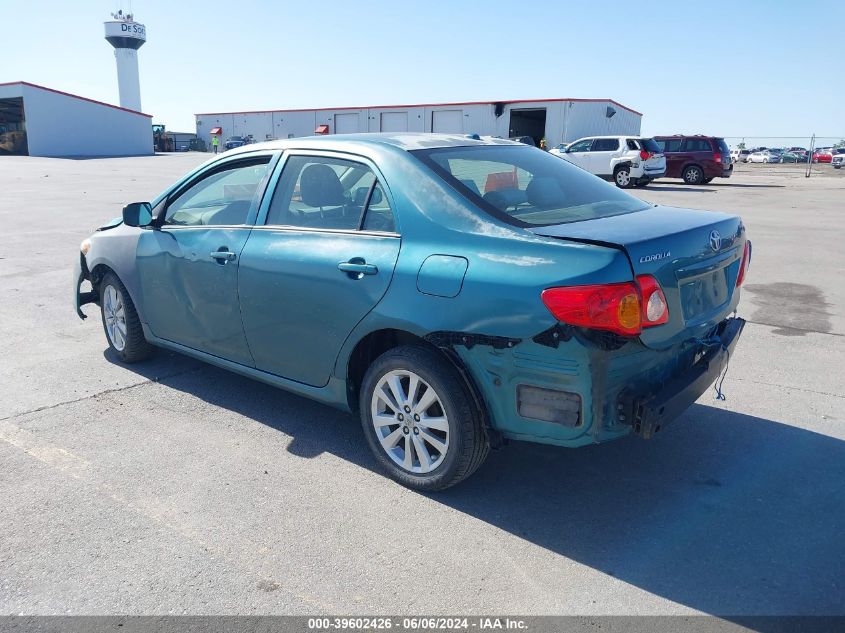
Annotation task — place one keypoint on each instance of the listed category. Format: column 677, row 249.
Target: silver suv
column 627, row 160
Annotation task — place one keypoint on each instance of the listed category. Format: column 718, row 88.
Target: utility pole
column 810, row 156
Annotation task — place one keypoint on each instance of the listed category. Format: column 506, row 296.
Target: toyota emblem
column 715, row 240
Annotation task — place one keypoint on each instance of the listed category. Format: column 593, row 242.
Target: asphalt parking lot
column 176, row 487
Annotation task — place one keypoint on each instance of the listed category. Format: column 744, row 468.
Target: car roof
column 402, row 140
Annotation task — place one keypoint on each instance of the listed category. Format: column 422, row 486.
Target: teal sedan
column 457, row 293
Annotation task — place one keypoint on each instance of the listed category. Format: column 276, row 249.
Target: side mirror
column 138, row 214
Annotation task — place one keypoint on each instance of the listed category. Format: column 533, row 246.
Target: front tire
column 420, row 420
column 693, row 175
column 622, row 177
column 120, row 321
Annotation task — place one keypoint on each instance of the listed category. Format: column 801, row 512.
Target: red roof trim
column 67, row 94
column 427, row 105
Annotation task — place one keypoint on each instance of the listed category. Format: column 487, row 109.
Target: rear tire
column 120, row 321
column 693, row 175
column 420, row 420
column 622, row 177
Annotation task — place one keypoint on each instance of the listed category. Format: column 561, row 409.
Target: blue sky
column 731, row 68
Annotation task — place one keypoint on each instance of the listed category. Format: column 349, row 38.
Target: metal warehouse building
column 558, row 120
column 39, row 121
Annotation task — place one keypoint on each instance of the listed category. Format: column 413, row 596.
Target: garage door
column 447, row 121
column 394, row 121
column 346, row 123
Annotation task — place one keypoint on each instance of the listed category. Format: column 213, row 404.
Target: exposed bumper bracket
column 651, row 414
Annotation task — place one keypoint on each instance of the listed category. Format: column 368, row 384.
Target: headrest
column 545, row 193
column 320, row 186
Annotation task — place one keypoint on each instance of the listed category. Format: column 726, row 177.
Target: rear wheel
column 693, row 175
column 622, row 177
column 420, row 420
column 120, row 321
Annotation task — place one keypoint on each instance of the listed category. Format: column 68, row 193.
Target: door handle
column 357, row 268
column 223, row 256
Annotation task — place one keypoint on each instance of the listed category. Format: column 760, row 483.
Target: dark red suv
column 697, row 159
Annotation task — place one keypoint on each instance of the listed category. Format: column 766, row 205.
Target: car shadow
column 684, row 188
column 723, row 512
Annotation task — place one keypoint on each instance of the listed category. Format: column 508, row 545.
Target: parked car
column 235, row 141
column 627, row 160
column 697, row 159
column 527, row 140
column 529, row 299
column 763, row 157
column 823, row 156
column 790, row 157
column 837, row 159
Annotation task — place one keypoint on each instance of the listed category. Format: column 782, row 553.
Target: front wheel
column 622, row 177
column 693, row 175
column 120, row 321
column 420, row 420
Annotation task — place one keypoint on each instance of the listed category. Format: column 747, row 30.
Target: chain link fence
column 789, row 155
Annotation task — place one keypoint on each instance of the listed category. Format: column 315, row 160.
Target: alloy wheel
column 115, row 317
column 410, row 421
column 623, row 178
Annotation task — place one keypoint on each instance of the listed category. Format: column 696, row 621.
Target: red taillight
column 611, row 307
column 744, row 264
column 655, row 309
column 717, row 157
column 644, row 154
column 624, row 308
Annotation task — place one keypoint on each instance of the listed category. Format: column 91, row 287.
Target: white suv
column 627, row 160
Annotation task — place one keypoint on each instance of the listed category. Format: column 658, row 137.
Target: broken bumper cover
column 80, row 274
column 653, row 413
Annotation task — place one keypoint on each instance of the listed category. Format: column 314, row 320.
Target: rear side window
column 525, row 187
column 329, row 193
column 632, row 143
column 697, row 145
column 605, row 144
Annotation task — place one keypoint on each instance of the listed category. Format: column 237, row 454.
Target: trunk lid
column 694, row 255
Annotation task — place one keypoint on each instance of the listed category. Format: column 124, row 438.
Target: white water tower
column 127, row 36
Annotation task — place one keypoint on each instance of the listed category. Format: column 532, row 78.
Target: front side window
column 581, row 146
column 526, row 187
column 224, row 197
column 670, row 144
column 606, row 145
column 330, row 193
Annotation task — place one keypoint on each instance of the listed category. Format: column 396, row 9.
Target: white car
column 838, row 159
column 763, row 157
column 627, row 160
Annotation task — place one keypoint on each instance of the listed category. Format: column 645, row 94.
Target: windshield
column 526, row 186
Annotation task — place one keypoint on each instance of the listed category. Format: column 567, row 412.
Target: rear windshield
column 650, row 145
column 723, row 147
column 527, row 186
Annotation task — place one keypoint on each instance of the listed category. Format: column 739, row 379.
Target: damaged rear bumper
column 650, row 414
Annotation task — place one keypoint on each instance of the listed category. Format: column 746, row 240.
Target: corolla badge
column 715, row 240
column 655, row 257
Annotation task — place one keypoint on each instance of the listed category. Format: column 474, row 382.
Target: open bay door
column 447, row 121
